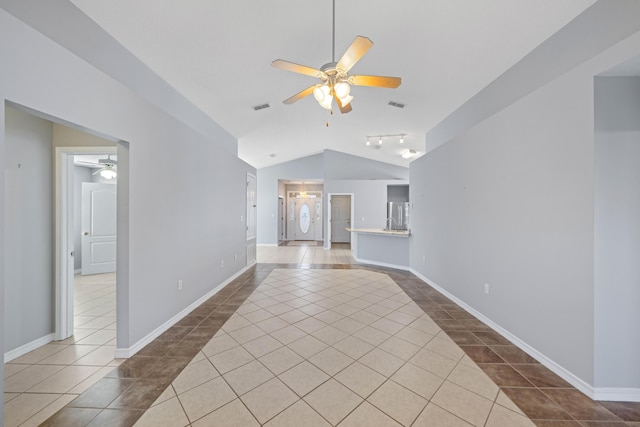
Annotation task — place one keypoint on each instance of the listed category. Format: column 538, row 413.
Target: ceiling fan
column 335, row 81
column 108, row 169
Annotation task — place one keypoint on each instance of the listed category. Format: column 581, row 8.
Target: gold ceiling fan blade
column 358, row 48
column 377, row 81
column 298, row 96
column 297, row 68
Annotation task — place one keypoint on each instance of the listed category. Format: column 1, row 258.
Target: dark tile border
column 123, row 395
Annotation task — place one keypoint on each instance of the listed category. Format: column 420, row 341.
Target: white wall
column 175, row 226
column 509, row 200
column 617, row 231
column 28, row 228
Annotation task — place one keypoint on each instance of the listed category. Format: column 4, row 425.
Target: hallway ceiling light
column 409, row 153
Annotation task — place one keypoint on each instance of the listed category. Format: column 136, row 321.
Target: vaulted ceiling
column 218, row 54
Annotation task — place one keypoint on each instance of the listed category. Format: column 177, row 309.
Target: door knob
column 86, row 233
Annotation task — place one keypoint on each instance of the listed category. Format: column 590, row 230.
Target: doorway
column 39, row 150
column 87, row 211
column 304, row 215
column 340, row 218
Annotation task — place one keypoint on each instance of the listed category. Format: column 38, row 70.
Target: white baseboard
column 125, row 353
column 78, row 271
column 26, row 348
column 266, row 244
column 382, row 264
column 616, row 394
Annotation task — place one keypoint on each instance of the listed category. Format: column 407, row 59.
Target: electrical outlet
column 221, row 263
column 424, row 259
column 179, row 285
column 235, row 256
column 486, row 288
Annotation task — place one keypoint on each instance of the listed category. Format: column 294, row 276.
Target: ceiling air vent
column 260, row 107
column 396, row 104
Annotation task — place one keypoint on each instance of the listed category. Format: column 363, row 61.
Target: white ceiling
column 218, row 54
column 92, row 160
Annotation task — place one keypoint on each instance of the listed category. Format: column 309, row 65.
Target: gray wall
column 617, row 231
column 507, row 198
column 369, row 200
column 28, row 211
column 174, row 226
column 306, row 168
column 341, row 173
column 346, row 166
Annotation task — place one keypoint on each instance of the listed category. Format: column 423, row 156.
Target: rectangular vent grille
column 261, row 107
column 396, row 104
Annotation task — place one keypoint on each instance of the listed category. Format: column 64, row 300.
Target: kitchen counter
column 388, row 248
column 382, row 232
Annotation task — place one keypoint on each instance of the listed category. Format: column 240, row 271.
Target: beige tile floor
column 43, row 381
column 332, row 347
column 340, row 254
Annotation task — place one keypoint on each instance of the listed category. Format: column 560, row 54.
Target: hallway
column 334, row 345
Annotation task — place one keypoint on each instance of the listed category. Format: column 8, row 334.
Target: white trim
column 125, row 353
column 267, row 244
column 383, row 264
column 26, row 348
column 78, row 271
column 619, row 394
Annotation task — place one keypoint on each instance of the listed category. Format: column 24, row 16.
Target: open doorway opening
column 300, row 213
column 39, row 295
column 87, row 192
column 93, row 283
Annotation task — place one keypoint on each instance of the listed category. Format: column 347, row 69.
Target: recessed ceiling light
column 272, row 155
column 409, row 153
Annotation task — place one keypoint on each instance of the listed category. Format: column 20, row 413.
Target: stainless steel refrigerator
column 398, row 215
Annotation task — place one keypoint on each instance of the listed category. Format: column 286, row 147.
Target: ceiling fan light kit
column 109, row 170
column 334, row 76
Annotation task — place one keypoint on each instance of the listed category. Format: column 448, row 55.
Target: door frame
column 64, row 220
column 327, row 240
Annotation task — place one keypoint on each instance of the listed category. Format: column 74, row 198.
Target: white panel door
column 98, row 228
column 340, row 219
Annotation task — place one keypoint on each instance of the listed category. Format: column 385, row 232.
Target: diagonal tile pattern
column 347, row 362
column 293, row 344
